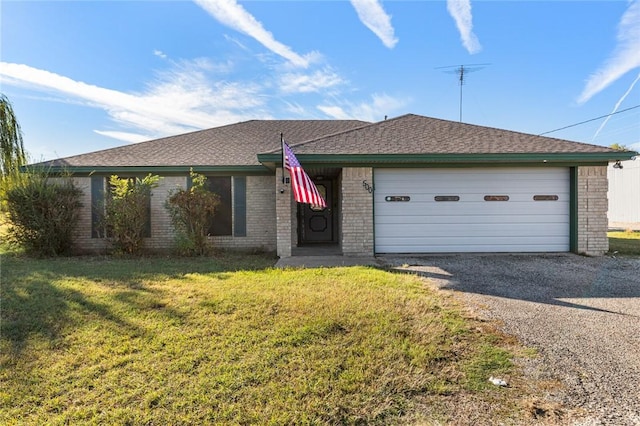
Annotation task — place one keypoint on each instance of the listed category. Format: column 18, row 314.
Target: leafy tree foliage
column 42, row 213
column 12, row 154
column 126, row 212
column 618, row 147
column 191, row 211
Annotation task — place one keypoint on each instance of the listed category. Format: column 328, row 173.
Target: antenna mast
column 462, row 71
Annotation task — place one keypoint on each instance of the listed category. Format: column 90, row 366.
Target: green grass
column 624, row 243
column 229, row 340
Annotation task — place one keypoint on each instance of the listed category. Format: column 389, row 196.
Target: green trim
column 476, row 159
column 573, row 209
column 373, row 208
column 248, row 170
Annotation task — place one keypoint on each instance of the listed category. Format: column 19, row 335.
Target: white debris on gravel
column 581, row 313
column 496, row 381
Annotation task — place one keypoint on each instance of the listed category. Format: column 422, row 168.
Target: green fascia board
column 161, row 170
column 408, row 159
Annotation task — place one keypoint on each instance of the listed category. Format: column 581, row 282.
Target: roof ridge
column 368, row 124
column 275, row 151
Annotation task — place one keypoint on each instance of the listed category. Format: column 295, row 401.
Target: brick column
column 284, row 215
column 357, row 212
column 592, row 210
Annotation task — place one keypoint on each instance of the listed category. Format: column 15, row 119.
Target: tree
column 618, row 147
column 127, row 212
column 191, row 210
column 12, row 154
column 43, row 213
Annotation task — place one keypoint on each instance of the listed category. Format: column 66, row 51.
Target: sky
column 90, row 75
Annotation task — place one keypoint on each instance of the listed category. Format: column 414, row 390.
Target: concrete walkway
column 325, row 261
column 623, row 226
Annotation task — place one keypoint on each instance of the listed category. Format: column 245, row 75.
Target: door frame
column 332, row 205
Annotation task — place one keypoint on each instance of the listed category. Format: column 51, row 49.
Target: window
column 221, row 223
column 100, row 190
column 446, row 198
column 396, row 198
column 545, row 198
column 496, row 198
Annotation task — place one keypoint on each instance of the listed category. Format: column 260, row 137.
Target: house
column 624, row 194
column 410, row 184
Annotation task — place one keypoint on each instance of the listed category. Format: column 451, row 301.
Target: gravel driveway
column 581, row 313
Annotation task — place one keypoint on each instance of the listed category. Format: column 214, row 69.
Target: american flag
column 304, row 190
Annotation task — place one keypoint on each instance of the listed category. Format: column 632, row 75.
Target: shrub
column 42, row 213
column 126, row 213
column 191, row 211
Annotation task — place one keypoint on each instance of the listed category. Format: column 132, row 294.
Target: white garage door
column 471, row 210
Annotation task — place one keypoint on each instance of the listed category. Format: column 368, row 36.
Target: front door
column 317, row 223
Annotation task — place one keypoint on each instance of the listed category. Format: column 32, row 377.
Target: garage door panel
column 481, row 208
column 471, row 224
column 479, row 230
column 546, row 247
column 502, row 244
column 471, row 218
column 475, row 187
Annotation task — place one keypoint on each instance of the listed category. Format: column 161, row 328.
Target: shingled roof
column 231, row 145
column 415, row 134
column 409, row 138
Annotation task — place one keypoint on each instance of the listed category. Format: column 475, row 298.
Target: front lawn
column 232, row 341
column 624, row 243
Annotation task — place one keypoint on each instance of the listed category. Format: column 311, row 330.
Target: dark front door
column 317, row 223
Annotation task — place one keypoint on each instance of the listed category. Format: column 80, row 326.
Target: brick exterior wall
column 261, row 226
column 83, row 243
column 356, row 212
column 162, row 235
column 285, row 213
column 592, row 210
column 261, row 213
column 272, row 219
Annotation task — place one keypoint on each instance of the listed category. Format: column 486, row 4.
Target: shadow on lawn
column 35, row 303
column 549, row 279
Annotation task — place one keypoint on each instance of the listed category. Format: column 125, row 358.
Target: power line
column 587, row 121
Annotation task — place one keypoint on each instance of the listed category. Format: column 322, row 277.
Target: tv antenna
column 462, row 71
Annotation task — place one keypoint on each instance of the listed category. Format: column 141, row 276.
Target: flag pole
column 283, row 154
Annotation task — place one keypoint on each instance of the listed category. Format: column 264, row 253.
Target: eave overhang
column 159, row 170
column 407, row 160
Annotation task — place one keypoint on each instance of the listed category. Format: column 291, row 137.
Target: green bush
column 126, row 213
column 42, row 214
column 191, row 211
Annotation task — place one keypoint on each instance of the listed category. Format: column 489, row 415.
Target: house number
column 368, row 187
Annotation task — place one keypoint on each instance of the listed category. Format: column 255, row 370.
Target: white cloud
column 295, row 108
column 375, row 110
column 615, row 108
column 306, row 83
column 460, row 11
column 625, row 56
column 180, row 100
column 233, row 15
column 373, row 16
column 159, row 54
column 124, row 136
column 335, row 112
